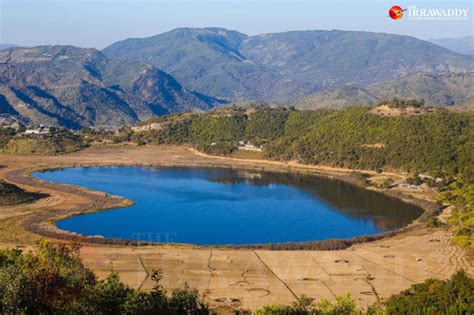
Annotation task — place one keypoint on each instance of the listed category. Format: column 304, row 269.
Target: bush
column 386, row 184
column 434, row 223
column 221, row 148
column 49, row 281
column 461, row 195
column 344, row 305
column 453, row 296
column 414, row 180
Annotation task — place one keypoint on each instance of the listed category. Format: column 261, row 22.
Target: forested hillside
column 438, row 142
column 356, row 138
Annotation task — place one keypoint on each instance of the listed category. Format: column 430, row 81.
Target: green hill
column 58, row 141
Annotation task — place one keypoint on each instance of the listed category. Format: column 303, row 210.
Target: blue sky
column 99, row 23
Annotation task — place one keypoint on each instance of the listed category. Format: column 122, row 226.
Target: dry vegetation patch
column 385, row 110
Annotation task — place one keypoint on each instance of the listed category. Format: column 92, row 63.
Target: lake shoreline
column 43, row 224
column 251, row 277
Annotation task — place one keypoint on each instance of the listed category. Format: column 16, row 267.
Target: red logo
column 396, row 12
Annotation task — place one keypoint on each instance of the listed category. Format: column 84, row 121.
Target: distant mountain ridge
column 285, row 66
column 79, row 87
column 436, row 89
column 463, row 45
column 6, row 46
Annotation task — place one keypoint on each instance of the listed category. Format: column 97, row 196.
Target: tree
column 453, row 296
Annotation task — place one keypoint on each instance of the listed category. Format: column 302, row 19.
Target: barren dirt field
column 244, row 279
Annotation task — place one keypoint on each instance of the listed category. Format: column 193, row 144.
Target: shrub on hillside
column 453, row 296
column 220, row 148
column 344, row 305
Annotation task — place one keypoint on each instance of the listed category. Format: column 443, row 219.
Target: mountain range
column 6, row 46
column 285, row 66
column 78, row 87
column 196, row 69
column 447, row 89
column 463, row 45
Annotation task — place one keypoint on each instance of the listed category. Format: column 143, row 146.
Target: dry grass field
column 243, row 279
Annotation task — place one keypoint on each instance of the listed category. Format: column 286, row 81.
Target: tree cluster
column 54, row 281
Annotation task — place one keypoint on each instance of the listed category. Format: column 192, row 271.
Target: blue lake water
column 224, row 206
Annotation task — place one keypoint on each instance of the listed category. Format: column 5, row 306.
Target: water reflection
column 384, row 212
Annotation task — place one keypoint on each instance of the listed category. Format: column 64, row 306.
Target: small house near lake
column 42, row 130
column 248, row 146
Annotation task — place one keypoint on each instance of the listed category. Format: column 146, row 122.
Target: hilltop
column 53, row 141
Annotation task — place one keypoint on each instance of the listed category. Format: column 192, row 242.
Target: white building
column 42, row 130
column 153, row 126
column 410, row 186
column 248, row 146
